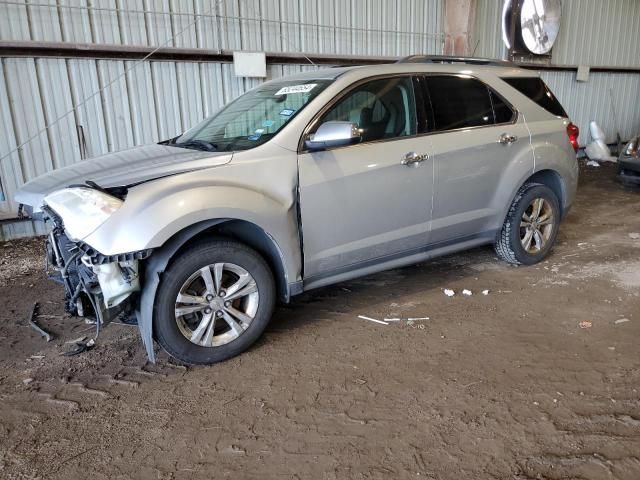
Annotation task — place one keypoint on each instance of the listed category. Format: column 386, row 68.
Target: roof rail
column 451, row 59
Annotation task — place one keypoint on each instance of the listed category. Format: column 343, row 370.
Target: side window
column 459, row 102
column 382, row 109
column 502, row 111
column 537, row 90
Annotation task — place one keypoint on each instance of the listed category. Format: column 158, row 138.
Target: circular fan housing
column 540, row 23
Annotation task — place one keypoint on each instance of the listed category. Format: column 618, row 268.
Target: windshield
column 253, row 118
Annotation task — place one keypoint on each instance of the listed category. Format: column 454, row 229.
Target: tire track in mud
column 43, row 398
column 596, row 439
column 588, row 466
column 75, row 399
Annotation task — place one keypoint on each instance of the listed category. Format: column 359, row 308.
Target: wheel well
column 256, row 238
column 553, row 180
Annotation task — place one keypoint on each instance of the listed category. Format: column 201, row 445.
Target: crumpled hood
column 128, row 167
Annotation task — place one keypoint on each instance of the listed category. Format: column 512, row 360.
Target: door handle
column 506, row 139
column 413, row 158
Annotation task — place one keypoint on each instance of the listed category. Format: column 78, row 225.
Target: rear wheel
column 531, row 227
column 213, row 302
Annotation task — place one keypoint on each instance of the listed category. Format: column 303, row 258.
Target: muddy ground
column 504, row 385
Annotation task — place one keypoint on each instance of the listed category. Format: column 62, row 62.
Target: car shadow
column 360, row 294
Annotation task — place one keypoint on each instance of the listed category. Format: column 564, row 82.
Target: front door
column 361, row 204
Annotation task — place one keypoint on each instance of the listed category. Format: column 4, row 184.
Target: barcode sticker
column 296, row 89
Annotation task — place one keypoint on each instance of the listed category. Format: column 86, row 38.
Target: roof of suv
column 502, row 70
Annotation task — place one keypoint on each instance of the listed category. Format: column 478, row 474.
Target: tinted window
column 459, row 102
column 501, row 111
column 537, row 90
column 381, row 108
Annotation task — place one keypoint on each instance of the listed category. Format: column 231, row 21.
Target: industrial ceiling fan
column 530, row 27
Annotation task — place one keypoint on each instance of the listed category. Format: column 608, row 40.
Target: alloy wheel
column 216, row 304
column 536, row 225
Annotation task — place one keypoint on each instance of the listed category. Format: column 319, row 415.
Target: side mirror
column 333, row 134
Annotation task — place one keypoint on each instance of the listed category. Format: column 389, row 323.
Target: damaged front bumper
column 99, row 287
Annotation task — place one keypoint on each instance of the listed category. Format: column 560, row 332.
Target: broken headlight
column 82, row 209
column 631, row 150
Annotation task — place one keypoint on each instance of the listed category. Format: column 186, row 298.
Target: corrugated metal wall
column 612, row 100
column 599, row 33
column 487, row 30
column 349, row 27
column 157, row 100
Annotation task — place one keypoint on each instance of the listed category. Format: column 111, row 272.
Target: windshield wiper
column 197, row 145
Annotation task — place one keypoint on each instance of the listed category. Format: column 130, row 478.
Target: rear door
column 476, row 135
column 360, row 205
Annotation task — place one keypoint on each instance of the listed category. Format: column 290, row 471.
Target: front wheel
column 214, row 301
column 531, row 227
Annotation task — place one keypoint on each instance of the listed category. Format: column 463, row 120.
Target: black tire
column 166, row 328
column 508, row 245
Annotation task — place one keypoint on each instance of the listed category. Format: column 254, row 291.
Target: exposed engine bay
column 97, row 287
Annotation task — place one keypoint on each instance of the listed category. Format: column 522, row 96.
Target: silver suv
column 303, row 182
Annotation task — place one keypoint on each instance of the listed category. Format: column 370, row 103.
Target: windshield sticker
column 287, row 112
column 259, row 131
column 296, row 89
column 254, row 137
column 267, row 123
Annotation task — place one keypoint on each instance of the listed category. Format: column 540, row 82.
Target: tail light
column 573, row 132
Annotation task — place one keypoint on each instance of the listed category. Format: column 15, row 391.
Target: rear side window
column 537, row 90
column 463, row 102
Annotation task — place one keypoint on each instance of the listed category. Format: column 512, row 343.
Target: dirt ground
column 505, row 385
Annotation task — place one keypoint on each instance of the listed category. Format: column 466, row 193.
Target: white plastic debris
column 621, row 320
column 372, row 319
column 634, row 235
column 416, row 319
column 596, row 132
column 467, row 292
column 597, row 149
column 448, row 292
column 592, row 163
column 485, row 292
